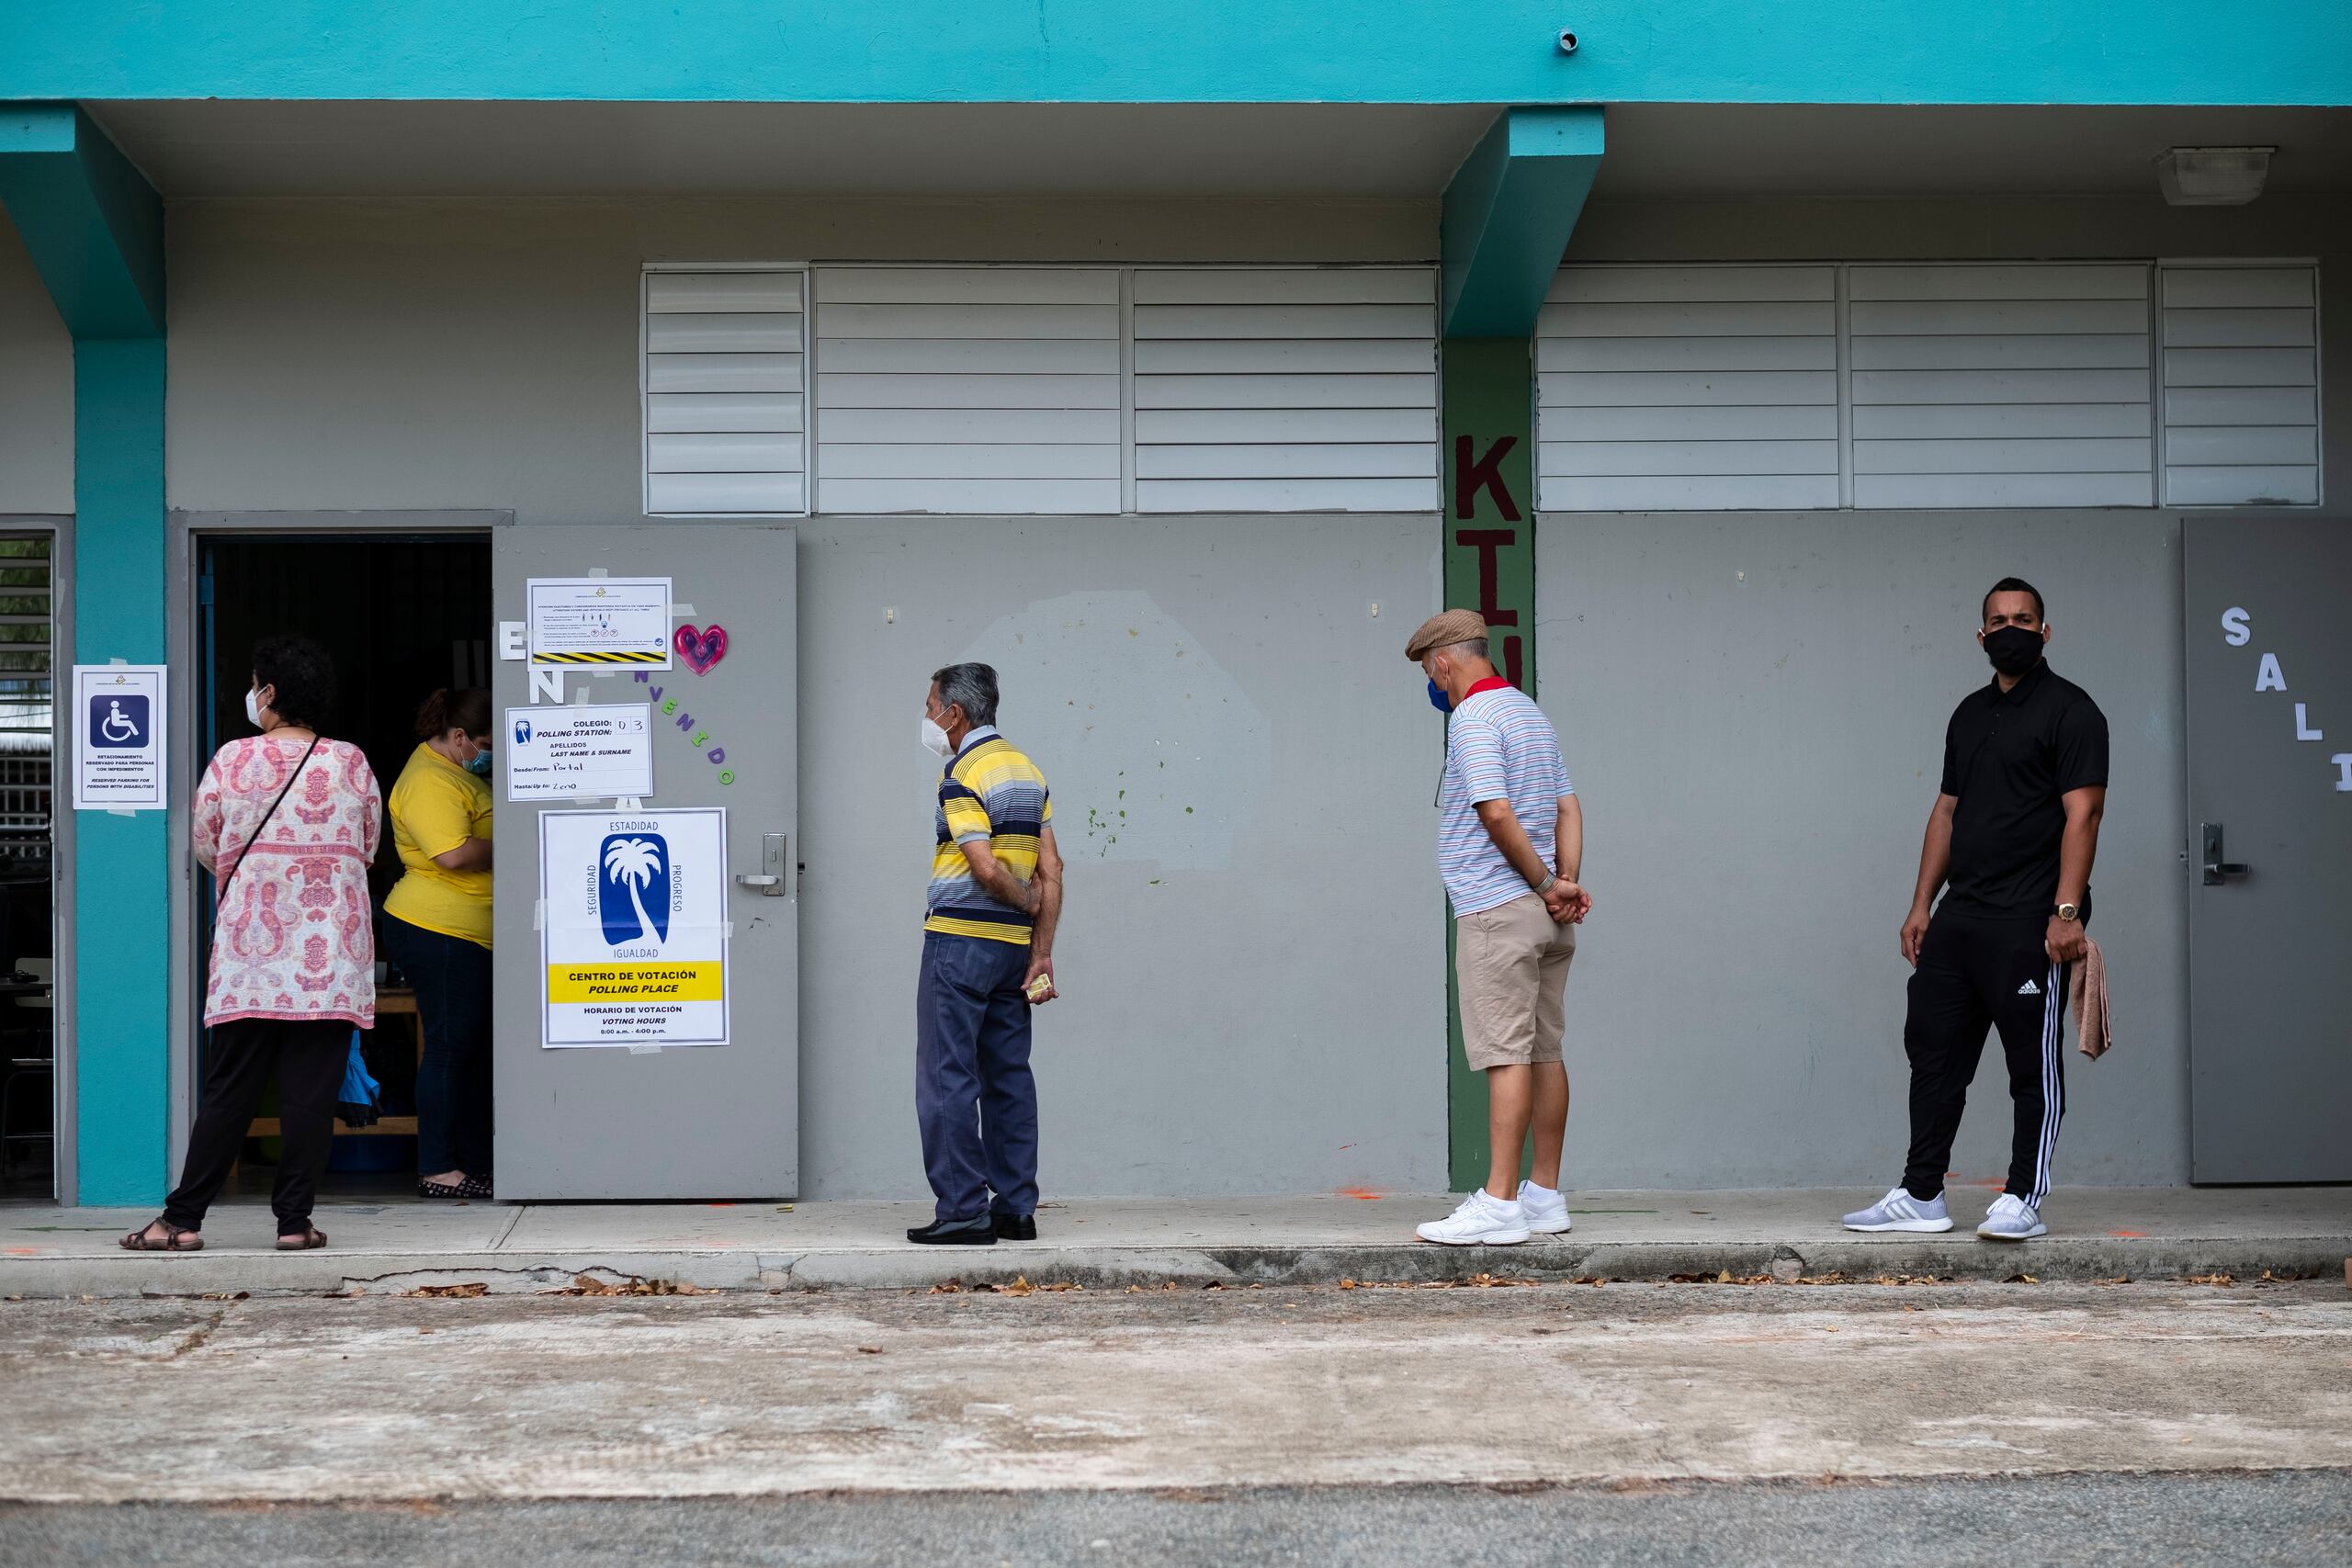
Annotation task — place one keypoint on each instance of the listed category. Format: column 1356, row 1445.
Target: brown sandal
column 176, row 1238
column 309, row 1239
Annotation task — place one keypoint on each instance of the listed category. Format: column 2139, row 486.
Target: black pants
column 309, row 1058
column 452, row 980
column 1977, row 971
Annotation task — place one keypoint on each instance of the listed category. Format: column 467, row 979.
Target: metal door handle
column 2216, row 868
column 769, row 879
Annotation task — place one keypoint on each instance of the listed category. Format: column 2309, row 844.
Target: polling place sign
column 633, row 935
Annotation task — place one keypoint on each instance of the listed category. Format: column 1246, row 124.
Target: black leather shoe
column 969, row 1233
column 1016, row 1227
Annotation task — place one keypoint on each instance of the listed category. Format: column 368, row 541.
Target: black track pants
column 1978, row 971
column 309, row 1057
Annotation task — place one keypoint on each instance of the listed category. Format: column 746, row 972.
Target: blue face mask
column 479, row 763
column 1438, row 700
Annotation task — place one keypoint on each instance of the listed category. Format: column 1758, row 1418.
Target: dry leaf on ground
column 589, row 1285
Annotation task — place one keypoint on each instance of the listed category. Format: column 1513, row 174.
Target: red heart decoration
column 700, row 649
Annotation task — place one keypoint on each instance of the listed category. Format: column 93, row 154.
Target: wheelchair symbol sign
column 118, row 721
column 126, row 725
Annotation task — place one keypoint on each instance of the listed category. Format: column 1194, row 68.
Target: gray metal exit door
column 2268, row 606
column 681, row 1121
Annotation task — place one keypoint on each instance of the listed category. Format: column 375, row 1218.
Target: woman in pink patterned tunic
column 288, row 823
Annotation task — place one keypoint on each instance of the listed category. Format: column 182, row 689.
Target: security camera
column 1568, row 42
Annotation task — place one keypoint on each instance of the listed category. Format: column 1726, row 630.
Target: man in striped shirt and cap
column 988, row 958
column 1511, row 842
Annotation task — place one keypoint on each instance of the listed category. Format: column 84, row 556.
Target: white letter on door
column 2269, row 678
column 2303, row 731
column 2343, row 761
column 2233, row 627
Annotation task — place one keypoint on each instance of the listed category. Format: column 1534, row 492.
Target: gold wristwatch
column 2068, row 911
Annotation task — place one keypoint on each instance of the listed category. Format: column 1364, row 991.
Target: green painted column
column 1486, row 394
column 94, row 230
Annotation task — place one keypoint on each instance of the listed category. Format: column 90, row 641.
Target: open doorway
column 29, row 1098
column 400, row 615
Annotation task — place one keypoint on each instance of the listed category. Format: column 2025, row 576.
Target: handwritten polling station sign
column 593, row 749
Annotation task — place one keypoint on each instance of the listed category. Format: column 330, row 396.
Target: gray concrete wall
column 1253, row 962
column 1753, row 710
column 36, row 388
column 1241, row 763
column 1753, row 707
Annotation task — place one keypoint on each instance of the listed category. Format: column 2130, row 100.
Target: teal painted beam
column 122, row 937
column 1508, row 214
column 91, row 222
column 1480, row 52
column 94, row 230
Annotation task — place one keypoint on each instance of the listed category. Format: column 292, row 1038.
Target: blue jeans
column 975, row 1098
column 452, row 980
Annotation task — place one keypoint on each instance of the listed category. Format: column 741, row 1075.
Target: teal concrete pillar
column 94, row 230
column 1508, row 213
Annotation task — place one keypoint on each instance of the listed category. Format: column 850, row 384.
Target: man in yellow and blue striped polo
column 988, row 958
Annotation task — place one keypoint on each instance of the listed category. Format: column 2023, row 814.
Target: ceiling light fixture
column 2212, row 177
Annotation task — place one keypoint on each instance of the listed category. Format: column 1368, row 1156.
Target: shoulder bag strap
column 221, row 901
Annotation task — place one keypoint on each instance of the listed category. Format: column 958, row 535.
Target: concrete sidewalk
column 393, row 1245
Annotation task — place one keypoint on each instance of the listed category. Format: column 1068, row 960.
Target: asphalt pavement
column 2277, row 1520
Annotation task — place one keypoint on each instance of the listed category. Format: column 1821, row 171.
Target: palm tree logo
column 635, row 864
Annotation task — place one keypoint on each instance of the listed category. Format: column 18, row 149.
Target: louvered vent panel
column 724, row 401
column 1285, row 391
column 2001, row 386
column 1687, row 388
column 2241, row 385
column 968, row 389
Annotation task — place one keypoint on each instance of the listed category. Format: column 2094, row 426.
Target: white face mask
column 934, row 739
column 252, row 708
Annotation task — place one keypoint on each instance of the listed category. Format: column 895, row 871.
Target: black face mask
column 2013, row 650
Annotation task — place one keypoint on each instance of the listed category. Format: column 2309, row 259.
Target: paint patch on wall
column 1153, row 750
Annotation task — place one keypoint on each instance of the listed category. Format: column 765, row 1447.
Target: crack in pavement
column 198, row 1336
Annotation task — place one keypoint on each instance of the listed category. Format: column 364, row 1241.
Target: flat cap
column 1444, row 629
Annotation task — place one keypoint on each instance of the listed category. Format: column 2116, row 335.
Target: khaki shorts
column 1511, row 967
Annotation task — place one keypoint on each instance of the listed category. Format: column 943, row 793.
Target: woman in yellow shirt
column 438, row 929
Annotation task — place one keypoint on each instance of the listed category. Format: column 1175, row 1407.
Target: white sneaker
column 1481, row 1221
column 2011, row 1219
column 1898, row 1211
column 1547, row 1212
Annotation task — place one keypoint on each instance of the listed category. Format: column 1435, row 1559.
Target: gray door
column 681, row 1120
column 2270, row 849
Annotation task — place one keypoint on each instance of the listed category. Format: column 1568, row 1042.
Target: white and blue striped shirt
column 1498, row 746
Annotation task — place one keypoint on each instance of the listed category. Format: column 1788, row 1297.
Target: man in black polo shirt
column 2013, row 833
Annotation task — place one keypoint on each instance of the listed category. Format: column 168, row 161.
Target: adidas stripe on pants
column 1977, row 972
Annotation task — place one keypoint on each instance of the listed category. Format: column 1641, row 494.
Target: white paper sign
column 599, row 749
column 118, row 723
column 633, row 946
column 599, row 620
